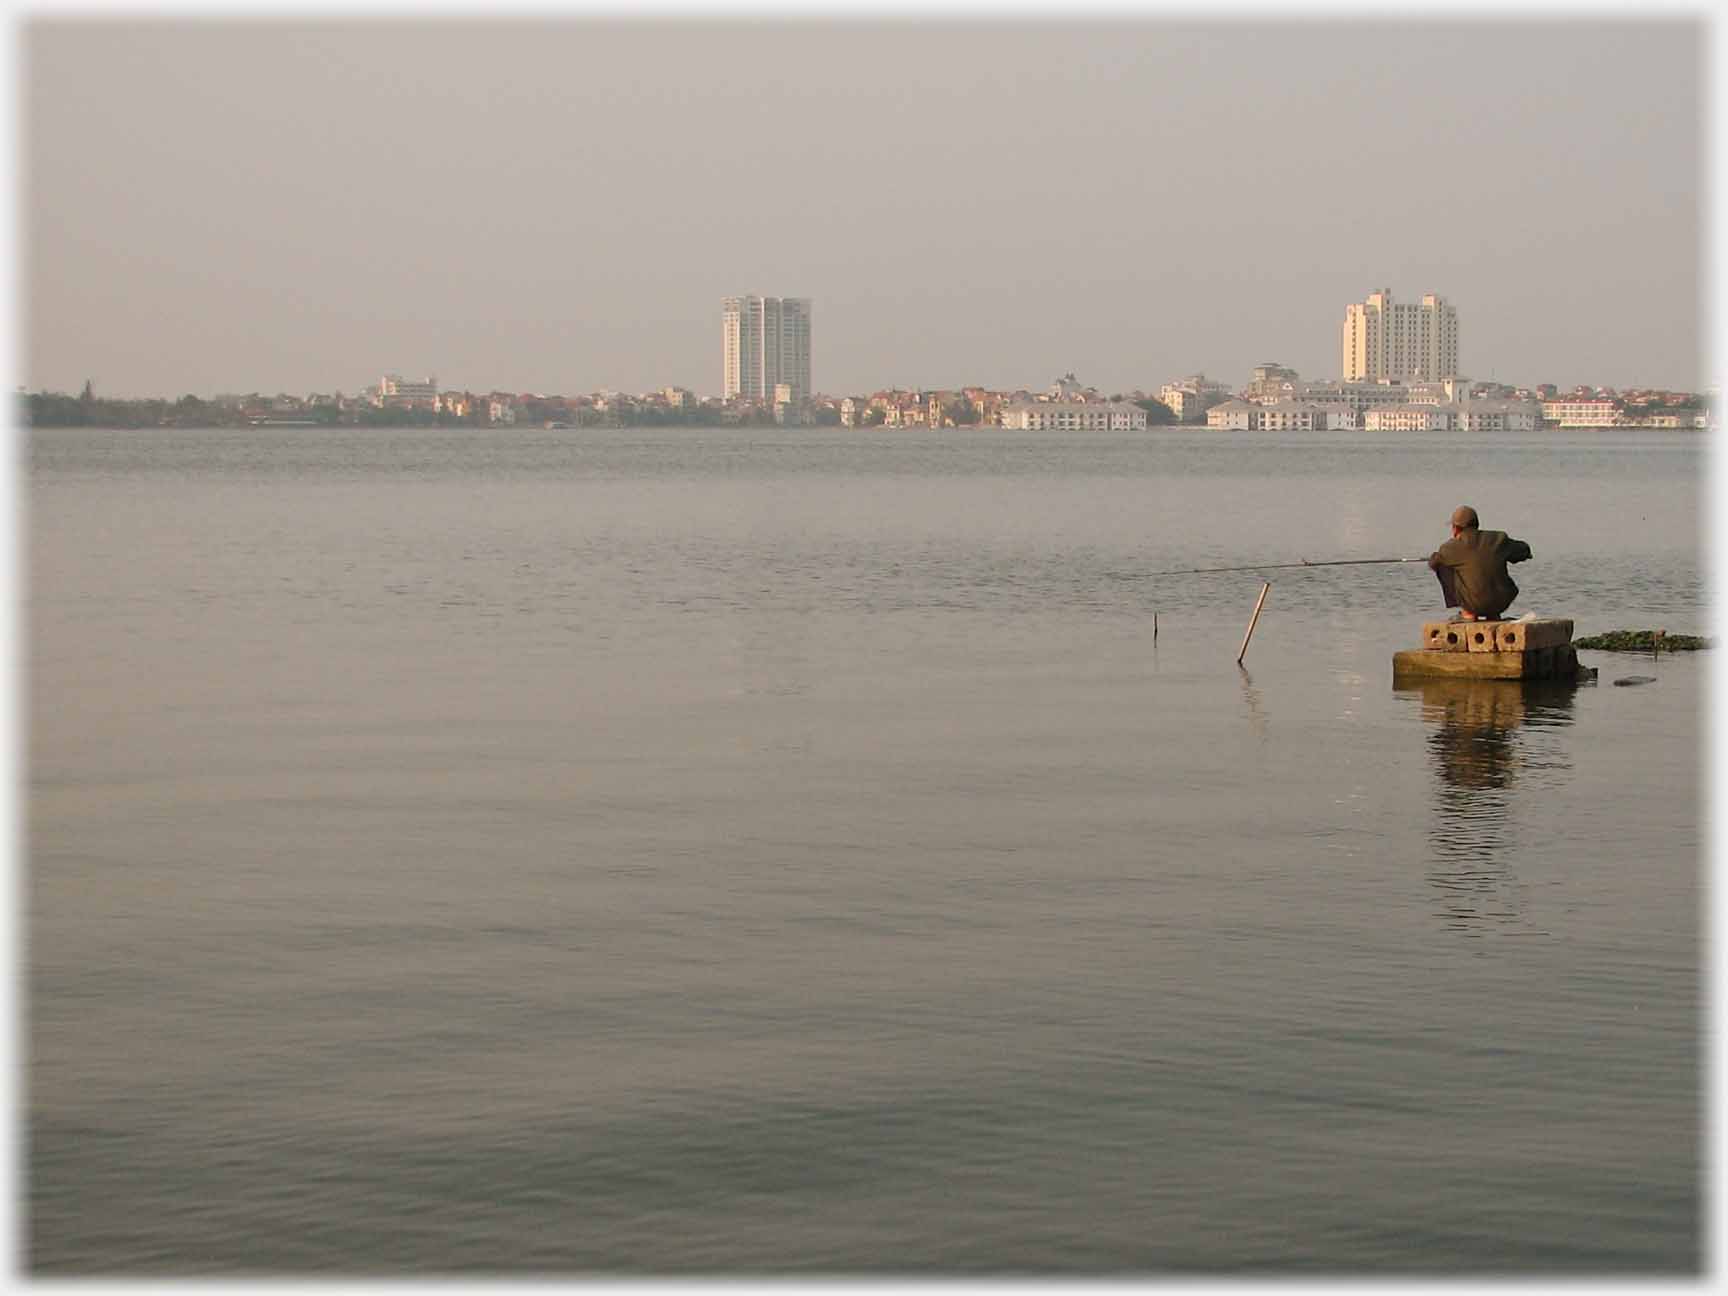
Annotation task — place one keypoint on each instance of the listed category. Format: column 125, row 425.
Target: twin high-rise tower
column 764, row 345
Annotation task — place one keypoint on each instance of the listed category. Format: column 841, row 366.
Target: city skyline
column 1268, row 374
column 555, row 206
column 766, row 360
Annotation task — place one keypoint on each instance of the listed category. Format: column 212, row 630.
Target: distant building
column 1271, row 382
column 939, row 406
column 395, row 390
column 1234, row 416
column 1498, row 416
column 787, row 408
column 1281, row 416
column 1293, row 416
column 1593, row 411
column 765, row 341
column 1384, row 339
column 903, row 416
column 1068, row 388
column 1359, row 396
column 1189, row 398
column 1411, row 418
column 1339, row 416
column 987, row 403
column 1443, row 391
column 1074, row 416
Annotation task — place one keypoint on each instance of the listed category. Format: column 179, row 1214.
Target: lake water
column 748, row 852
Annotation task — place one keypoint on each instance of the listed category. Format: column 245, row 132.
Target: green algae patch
column 1642, row 641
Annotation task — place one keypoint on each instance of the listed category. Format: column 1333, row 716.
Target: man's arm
column 1516, row 550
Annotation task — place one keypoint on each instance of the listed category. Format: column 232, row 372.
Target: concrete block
column 1557, row 661
column 1479, row 636
column 1424, row 664
column 1522, row 636
column 1505, row 650
column 1444, row 636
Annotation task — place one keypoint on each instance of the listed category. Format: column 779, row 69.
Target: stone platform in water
column 1540, row 648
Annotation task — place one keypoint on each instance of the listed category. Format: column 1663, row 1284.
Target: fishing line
column 1341, row 562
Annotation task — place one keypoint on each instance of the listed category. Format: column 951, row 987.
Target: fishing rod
column 1341, row 562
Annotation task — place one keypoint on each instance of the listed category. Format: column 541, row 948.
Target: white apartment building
column 1276, row 383
column 1292, row 416
column 1074, row 416
column 1234, row 416
column 394, row 389
column 1281, row 416
column 1340, row 416
column 1359, row 396
column 1688, row 419
column 1601, row 411
column 1411, row 418
column 1384, row 339
column 1498, row 416
column 764, row 342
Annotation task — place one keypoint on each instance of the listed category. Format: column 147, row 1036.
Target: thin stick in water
column 1259, row 603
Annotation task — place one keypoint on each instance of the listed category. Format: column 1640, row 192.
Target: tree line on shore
column 59, row 409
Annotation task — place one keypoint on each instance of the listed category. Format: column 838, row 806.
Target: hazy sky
column 219, row 204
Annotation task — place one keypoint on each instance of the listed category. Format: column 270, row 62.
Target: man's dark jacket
column 1476, row 560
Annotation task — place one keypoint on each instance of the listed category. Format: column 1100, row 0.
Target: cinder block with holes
column 1523, row 636
column 1479, row 635
column 1444, row 636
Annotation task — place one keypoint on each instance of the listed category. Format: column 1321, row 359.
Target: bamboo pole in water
column 1265, row 589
